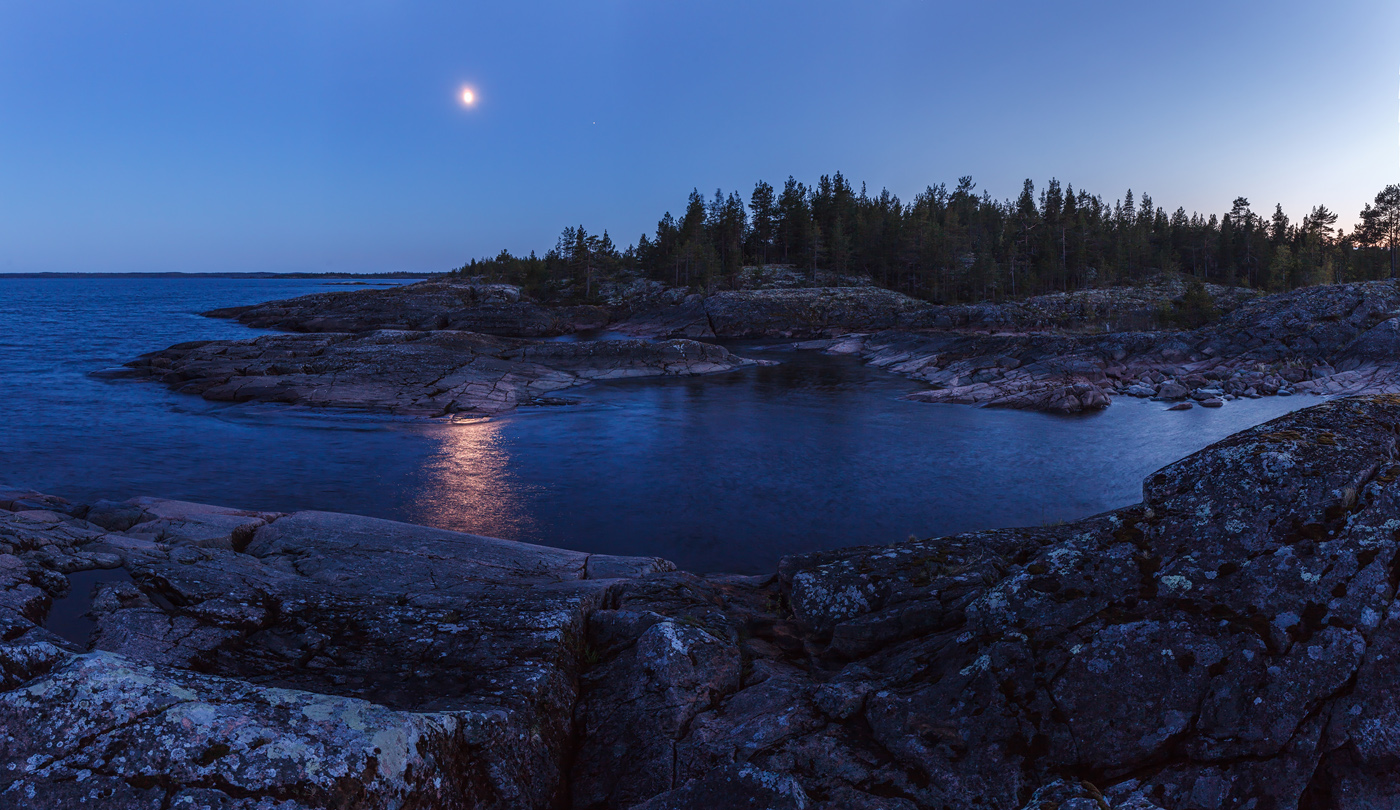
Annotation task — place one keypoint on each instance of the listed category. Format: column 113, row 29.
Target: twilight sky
column 322, row 136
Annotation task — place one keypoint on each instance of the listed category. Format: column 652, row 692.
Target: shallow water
column 69, row 617
column 725, row 472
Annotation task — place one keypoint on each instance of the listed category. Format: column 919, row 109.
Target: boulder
column 1172, row 391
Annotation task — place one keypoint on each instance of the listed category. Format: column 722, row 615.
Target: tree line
column 956, row 245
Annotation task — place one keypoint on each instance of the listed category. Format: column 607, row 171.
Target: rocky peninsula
column 1232, row 641
column 1064, row 353
column 425, row 373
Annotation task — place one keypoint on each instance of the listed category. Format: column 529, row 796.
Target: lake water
column 726, row 472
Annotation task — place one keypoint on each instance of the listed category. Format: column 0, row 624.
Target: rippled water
column 726, row 472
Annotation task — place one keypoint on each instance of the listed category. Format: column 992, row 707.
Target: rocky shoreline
column 776, row 307
column 1232, row 641
column 1333, row 340
column 432, row 373
column 1049, row 353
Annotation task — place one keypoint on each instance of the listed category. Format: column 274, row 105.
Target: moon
column 468, row 97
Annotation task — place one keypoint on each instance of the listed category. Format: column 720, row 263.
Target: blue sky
column 323, row 136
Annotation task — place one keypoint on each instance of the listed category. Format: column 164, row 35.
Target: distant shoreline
column 261, row 275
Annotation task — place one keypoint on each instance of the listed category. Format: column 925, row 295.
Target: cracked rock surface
column 1233, row 641
column 423, row 373
column 318, row 660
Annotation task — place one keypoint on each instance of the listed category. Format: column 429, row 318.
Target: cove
column 726, row 472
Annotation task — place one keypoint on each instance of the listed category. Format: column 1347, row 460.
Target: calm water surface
column 726, row 472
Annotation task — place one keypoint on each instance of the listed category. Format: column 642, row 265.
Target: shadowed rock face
column 425, row 373
column 1231, row 641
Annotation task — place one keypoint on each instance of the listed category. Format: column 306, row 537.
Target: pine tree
column 1319, row 223
column 794, row 220
column 1380, row 225
column 1279, row 230
column 764, row 209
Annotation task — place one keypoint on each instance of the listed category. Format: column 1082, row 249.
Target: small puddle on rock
column 68, row 616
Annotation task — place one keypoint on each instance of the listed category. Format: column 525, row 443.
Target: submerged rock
column 424, row 373
column 1231, row 641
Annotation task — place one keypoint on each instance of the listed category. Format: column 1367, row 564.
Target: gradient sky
column 317, row 136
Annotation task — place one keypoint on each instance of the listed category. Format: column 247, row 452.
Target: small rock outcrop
column 1233, row 641
column 424, row 373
